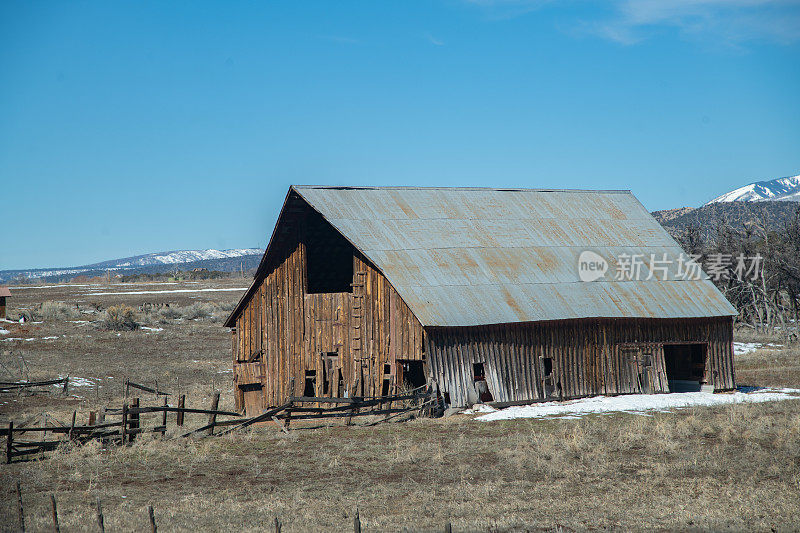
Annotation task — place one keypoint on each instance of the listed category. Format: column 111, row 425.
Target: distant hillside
column 737, row 214
column 220, row 260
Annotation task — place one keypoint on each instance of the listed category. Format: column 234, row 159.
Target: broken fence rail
column 10, row 386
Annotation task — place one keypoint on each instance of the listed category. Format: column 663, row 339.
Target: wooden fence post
column 134, row 418
column 212, row 418
column 277, row 525
column 10, row 443
column 124, row 422
column 448, row 528
column 21, row 510
column 56, row 529
column 152, row 519
column 181, row 405
column 164, row 418
column 92, row 418
column 100, row 522
column 72, row 426
column 356, row 522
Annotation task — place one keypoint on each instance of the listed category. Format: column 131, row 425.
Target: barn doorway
column 412, row 373
column 686, row 366
column 481, row 386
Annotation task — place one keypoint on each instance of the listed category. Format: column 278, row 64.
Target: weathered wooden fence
column 27, row 442
column 100, row 524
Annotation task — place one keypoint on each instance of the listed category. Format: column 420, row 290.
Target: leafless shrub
column 170, row 313
column 119, row 318
column 58, row 311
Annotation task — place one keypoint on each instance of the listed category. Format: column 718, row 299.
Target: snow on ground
column 164, row 292
column 80, row 382
column 640, row 403
column 744, row 348
column 154, row 330
column 4, row 331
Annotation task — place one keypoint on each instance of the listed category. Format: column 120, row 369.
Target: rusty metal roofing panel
column 469, row 256
column 5, row 292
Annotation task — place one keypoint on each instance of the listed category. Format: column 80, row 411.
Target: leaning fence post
column 20, row 508
column 65, row 390
column 448, row 528
column 212, row 418
column 100, row 525
column 152, row 518
column 356, row 522
column 181, row 405
column 56, row 529
column 10, row 443
column 277, row 525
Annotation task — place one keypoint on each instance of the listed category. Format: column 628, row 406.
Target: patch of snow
column 80, row 382
column 4, row 331
column 639, row 403
column 154, row 330
column 12, row 339
column 164, row 292
column 66, row 285
column 479, row 408
column 49, row 338
column 744, row 348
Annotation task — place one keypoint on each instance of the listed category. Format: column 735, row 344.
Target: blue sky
column 133, row 127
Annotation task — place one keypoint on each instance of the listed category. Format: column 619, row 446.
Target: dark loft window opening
column 310, row 388
column 329, row 259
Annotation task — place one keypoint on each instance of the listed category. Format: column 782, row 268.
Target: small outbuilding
column 494, row 295
column 5, row 292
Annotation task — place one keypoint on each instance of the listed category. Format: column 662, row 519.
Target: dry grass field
column 723, row 468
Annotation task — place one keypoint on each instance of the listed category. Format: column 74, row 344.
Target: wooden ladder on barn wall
column 356, row 323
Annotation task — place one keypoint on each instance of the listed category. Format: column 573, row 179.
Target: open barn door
column 686, row 366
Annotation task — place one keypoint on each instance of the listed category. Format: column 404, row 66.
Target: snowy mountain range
column 780, row 189
column 225, row 260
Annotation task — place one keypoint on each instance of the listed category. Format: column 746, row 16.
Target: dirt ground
column 723, row 468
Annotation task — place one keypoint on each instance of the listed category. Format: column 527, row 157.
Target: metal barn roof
column 5, row 292
column 467, row 256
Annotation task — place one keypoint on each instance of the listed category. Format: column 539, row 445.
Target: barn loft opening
column 685, row 365
column 329, row 258
column 413, row 374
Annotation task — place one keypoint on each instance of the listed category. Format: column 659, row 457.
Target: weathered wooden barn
column 366, row 291
column 5, row 292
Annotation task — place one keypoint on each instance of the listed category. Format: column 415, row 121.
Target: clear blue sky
column 133, row 127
